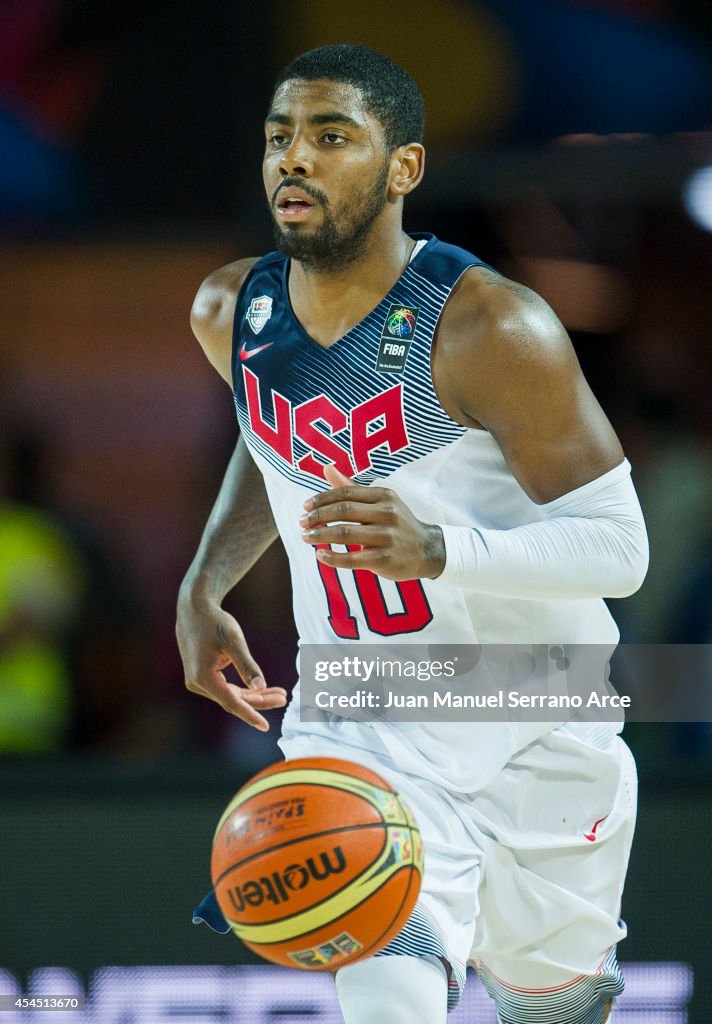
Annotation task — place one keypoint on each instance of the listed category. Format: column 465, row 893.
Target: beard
column 332, row 246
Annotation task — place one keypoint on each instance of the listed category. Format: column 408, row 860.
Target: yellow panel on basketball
column 380, row 795
column 316, row 863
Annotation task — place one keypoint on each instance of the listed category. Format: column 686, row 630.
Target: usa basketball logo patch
column 396, row 337
column 259, row 313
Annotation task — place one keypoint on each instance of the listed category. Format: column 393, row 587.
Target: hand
column 391, row 541
column 209, row 639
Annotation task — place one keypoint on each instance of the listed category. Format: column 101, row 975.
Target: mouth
column 294, row 204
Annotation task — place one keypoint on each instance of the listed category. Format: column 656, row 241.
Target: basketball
column 316, row 863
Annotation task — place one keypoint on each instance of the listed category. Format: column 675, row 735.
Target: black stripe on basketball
column 299, row 839
column 377, row 942
column 349, row 881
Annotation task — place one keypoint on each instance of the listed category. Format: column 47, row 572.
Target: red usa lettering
column 376, row 423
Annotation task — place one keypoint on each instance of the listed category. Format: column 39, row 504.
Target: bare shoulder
column 487, row 308
column 496, row 334
column 504, row 361
column 213, row 309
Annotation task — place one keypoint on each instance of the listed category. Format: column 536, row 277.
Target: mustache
column 307, row 189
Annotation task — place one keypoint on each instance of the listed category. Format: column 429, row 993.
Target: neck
column 348, row 293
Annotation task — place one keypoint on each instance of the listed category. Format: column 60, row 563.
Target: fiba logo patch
column 401, row 322
column 259, row 312
column 401, row 846
column 396, row 336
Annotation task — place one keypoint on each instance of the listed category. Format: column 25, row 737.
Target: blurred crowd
column 71, row 628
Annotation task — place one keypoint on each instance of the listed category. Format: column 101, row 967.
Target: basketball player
column 418, row 432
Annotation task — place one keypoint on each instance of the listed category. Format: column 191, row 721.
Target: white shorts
column 524, row 878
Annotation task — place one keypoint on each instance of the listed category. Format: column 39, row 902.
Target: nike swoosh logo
column 245, row 353
column 591, row 836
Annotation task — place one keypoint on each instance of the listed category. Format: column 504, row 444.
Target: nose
column 296, row 159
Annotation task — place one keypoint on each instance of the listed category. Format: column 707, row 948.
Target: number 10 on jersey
column 415, row 614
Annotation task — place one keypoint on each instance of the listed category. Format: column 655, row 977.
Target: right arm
column 240, row 529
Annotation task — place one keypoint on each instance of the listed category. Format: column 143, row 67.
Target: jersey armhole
column 235, row 323
column 431, row 354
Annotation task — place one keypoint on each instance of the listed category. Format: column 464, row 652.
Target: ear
column 407, row 167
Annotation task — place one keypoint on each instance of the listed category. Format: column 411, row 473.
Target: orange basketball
column 316, row 863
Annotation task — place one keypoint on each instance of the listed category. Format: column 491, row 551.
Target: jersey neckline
column 417, row 236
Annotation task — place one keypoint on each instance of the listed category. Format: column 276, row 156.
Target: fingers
column 349, row 492
column 351, row 512
column 335, row 477
column 347, row 533
column 243, row 703
column 210, row 640
column 247, row 702
column 232, row 644
column 375, row 559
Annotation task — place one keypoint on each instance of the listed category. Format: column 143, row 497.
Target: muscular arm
column 524, row 384
column 503, row 361
column 240, row 528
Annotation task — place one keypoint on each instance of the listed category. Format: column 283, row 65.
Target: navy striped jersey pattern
column 297, row 368
column 582, row 1001
column 421, row 936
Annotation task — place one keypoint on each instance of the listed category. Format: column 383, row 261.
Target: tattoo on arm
column 240, row 527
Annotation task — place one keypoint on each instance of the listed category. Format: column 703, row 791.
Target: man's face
column 326, row 172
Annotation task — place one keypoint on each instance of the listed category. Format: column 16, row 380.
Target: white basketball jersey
column 367, row 404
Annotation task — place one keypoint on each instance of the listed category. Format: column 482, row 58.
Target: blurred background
column 570, row 145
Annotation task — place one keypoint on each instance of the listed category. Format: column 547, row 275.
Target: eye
column 278, row 139
column 334, row 138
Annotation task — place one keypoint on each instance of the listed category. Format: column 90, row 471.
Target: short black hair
column 390, row 94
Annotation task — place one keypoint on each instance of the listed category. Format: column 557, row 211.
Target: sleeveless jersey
column 368, row 404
